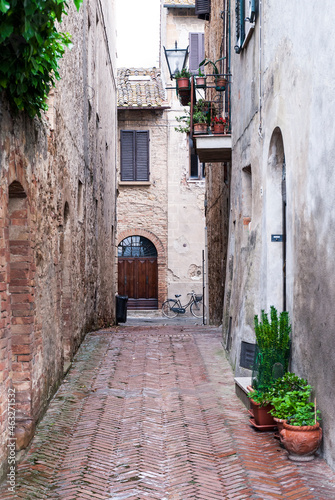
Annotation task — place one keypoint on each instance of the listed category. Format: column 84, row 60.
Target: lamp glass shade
column 176, row 59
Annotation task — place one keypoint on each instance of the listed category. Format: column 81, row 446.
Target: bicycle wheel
column 166, row 308
column 198, row 309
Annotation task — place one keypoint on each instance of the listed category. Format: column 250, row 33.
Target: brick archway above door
column 147, row 272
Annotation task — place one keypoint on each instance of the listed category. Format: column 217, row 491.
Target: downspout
column 260, row 130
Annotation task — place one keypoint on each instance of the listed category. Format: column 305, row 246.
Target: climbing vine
column 30, row 49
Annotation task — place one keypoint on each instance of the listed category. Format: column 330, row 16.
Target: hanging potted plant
column 200, row 80
column 220, row 80
column 219, row 125
column 183, row 80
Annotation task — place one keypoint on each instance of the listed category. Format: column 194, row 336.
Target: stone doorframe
column 161, row 258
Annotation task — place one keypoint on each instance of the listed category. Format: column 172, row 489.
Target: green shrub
column 30, row 48
column 272, row 350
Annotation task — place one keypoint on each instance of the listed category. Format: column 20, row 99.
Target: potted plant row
column 279, row 397
column 201, row 118
column 289, row 403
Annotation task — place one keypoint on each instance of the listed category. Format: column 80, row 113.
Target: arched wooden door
column 138, row 272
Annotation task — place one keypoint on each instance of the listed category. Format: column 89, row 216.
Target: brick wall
column 57, row 225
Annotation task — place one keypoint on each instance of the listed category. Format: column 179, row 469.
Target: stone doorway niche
column 22, row 310
column 276, row 223
column 66, row 292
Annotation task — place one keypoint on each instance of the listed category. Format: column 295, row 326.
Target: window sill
column 134, row 183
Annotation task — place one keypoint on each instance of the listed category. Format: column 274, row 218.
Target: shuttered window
column 203, row 8
column 134, row 155
column 197, row 50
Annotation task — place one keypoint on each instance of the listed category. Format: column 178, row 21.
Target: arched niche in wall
column 276, row 222
column 66, row 290
column 22, row 310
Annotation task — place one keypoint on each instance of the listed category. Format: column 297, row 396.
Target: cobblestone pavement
column 149, row 412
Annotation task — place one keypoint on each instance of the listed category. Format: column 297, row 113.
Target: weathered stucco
column 286, row 114
column 186, row 196
column 57, row 218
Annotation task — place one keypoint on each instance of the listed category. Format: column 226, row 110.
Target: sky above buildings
column 137, row 26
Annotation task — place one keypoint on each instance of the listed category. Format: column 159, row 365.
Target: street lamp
column 176, row 59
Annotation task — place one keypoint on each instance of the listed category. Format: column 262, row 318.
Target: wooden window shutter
column 197, row 50
column 142, row 155
column 127, row 155
column 202, row 8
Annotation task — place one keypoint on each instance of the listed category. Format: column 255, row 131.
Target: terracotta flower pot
column 301, row 442
column 200, row 82
column 279, row 423
column 200, row 128
column 218, row 128
column 183, row 84
column 261, row 413
column 220, row 83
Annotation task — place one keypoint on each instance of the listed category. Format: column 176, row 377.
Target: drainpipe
column 260, row 71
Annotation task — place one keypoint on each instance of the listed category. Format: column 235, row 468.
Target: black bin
column 121, row 308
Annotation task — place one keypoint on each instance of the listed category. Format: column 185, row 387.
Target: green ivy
column 30, row 48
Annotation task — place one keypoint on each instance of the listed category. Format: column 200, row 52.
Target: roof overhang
column 211, row 148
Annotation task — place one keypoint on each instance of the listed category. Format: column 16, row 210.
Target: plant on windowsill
column 220, row 80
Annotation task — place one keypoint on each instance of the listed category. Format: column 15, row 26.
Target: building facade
column 57, row 222
column 161, row 184
column 281, row 207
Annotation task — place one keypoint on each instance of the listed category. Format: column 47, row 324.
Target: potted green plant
column 301, row 434
column 200, row 80
column 272, row 348
column 183, row 80
column 200, row 124
column 201, row 117
column 220, row 80
column 260, row 409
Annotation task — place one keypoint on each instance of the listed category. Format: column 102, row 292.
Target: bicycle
column 172, row 307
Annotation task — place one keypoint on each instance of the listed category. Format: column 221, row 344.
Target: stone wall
column 57, row 211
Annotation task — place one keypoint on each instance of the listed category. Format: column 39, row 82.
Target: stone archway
column 276, row 222
column 22, row 310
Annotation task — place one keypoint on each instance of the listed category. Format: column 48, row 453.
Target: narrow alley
column 149, row 412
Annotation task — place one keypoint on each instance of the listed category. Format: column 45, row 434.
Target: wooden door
column 138, row 279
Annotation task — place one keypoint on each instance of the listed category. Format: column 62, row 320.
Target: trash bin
column 121, row 308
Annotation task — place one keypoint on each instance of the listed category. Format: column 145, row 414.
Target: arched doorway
column 138, row 272
column 276, row 222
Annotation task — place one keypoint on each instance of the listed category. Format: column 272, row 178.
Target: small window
column 203, row 9
column 197, row 51
column 134, row 155
column 197, row 169
column 245, row 14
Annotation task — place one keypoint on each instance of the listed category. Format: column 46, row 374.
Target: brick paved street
column 149, row 412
